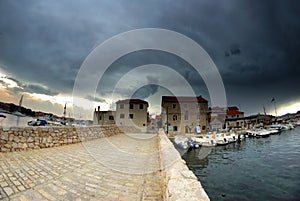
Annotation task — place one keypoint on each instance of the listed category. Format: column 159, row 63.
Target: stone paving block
column 71, row 172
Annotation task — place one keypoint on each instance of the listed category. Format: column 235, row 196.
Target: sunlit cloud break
column 6, row 82
column 69, row 100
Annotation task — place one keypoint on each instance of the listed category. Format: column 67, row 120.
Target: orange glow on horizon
column 291, row 108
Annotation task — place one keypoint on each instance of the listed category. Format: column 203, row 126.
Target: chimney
column 98, row 108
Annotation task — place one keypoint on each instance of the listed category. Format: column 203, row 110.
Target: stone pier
column 114, row 167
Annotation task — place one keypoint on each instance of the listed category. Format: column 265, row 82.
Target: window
column 203, row 127
column 144, row 124
column 141, row 106
column 174, row 117
column 100, row 117
column 237, row 115
column 111, row 117
column 198, row 116
column 185, row 105
column 186, row 115
column 130, row 116
column 175, row 128
column 174, row 105
column 121, row 106
column 130, row 106
column 122, row 116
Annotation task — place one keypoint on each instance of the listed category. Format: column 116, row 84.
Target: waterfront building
column 258, row 120
column 184, row 114
column 234, row 112
column 104, row 117
column 132, row 112
column 234, row 118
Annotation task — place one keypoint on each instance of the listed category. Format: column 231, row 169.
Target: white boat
column 258, row 133
column 290, row 126
column 222, row 139
column 207, row 141
column 262, row 133
column 281, row 127
column 181, row 142
column 273, row 131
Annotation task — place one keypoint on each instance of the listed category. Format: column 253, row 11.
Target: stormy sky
column 254, row 44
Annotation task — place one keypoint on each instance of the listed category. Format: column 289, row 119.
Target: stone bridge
column 106, row 165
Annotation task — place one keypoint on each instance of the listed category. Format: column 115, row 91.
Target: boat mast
column 264, row 110
column 274, row 102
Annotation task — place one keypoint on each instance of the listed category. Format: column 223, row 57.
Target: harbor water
column 255, row 169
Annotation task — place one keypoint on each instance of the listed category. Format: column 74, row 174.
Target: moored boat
column 206, row 141
column 181, row 142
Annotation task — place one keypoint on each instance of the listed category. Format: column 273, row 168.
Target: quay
column 108, row 166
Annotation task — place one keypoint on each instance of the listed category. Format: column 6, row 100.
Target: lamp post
column 167, row 120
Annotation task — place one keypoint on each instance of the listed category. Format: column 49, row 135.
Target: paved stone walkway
column 116, row 168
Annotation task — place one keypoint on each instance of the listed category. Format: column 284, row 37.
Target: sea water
column 254, row 169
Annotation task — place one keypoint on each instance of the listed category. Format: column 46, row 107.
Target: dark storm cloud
column 143, row 57
column 148, row 90
column 96, row 99
column 145, row 91
column 49, row 40
column 266, row 60
column 29, row 88
column 255, row 44
column 34, row 88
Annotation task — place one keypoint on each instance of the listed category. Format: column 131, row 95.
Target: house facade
column 234, row 118
column 132, row 112
column 104, row 117
column 184, row 114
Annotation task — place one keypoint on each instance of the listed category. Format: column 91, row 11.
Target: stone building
column 132, row 112
column 184, row 114
column 104, row 117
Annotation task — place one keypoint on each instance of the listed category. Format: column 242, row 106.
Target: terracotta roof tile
column 132, row 101
column 199, row 99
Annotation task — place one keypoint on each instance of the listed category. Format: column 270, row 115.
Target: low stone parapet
column 24, row 138
column 181, row 183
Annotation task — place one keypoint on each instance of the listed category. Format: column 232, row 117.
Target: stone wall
column 181, row 183
column 24, row 138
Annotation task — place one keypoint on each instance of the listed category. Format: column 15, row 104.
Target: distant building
column 216, row 123
column 217, row 116
column 155, row 123
column 257, row 120
column 103, row 117
column 132, row 112
column 185, row 114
